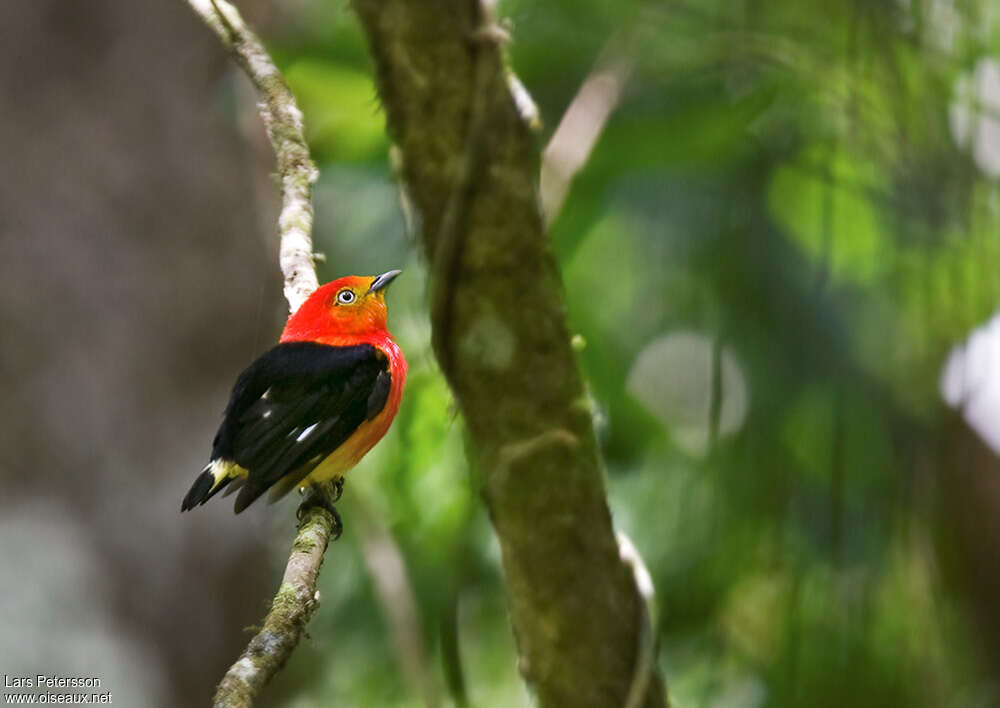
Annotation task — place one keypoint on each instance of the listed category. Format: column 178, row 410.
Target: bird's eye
column 345, row 297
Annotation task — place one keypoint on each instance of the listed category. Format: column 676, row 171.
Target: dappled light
column 970, row 381
column 974, row 115
column 766, row 235
column 677, row 378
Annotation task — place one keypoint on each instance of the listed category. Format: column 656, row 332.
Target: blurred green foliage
column 786, row 194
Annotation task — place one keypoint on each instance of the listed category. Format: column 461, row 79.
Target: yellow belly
column 338, row 462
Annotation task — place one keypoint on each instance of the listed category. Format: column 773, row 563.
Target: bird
column 307, row 410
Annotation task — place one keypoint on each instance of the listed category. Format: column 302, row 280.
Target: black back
column 294, row 406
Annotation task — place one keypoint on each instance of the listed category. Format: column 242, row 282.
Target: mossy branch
column 297, row 597
column 470, row 161
column 292, row 608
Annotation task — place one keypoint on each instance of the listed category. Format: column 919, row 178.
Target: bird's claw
column 338, row 526
column 324, row 496
column 337, row 488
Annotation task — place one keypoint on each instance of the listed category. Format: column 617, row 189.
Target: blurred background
column 782, row 260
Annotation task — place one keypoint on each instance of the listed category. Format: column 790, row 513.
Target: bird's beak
column 383, row 280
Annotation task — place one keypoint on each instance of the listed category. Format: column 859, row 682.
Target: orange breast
column 371, row 431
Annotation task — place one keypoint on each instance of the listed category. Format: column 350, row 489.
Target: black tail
column 201, row 491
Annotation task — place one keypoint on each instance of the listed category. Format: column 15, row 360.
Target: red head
column 349, row 310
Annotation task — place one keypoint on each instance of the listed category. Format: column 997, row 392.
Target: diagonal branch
column 293, row 606
column 470, row 161
column 297, row 597
column 582, row 123
column 283, row 121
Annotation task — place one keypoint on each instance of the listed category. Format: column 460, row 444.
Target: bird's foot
column 324, row 496
column 336, row 488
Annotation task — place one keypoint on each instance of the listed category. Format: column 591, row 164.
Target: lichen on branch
column 292, row 608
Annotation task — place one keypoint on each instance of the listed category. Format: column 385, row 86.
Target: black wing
column 290, row 409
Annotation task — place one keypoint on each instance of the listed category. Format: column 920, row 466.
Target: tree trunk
column 470, row 165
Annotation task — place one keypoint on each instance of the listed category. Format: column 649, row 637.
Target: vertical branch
column 451, row 656
column 297, row 597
